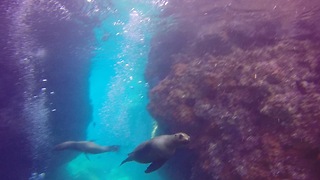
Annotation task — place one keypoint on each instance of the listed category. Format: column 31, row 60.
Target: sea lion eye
column 180, row 136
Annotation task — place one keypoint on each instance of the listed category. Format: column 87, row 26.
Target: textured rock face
column 246, row 89
column 63, row 72
column 15, row 162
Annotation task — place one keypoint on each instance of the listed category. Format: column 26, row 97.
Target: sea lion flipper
column 126, row 160
column 155, row 165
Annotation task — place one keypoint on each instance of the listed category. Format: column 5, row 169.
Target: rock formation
column 59, row 54
column 244, row 83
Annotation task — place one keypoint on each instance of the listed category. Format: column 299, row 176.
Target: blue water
column 54, row 45
column 118, row 93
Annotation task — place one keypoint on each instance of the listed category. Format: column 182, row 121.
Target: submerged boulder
column 252, row 110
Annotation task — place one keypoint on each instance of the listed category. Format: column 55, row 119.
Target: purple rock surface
column 245, row 85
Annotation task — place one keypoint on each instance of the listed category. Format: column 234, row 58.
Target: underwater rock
column 212, row 44
column 44, row 53
column 254, row 111
column 254, row 34
column 14, row 149
column 164, row 45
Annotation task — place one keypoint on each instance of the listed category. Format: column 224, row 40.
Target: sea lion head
column 181, row 138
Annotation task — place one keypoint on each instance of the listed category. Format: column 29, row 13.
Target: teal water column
column 119, row 94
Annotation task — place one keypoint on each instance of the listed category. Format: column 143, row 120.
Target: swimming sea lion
column 157, row 150
column 85, row 146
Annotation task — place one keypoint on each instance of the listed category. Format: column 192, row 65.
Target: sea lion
column 85, row 146
column 157, row 150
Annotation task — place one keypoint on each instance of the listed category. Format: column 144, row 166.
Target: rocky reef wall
column 15, row 161
column 243, row 80
column 50, row 41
